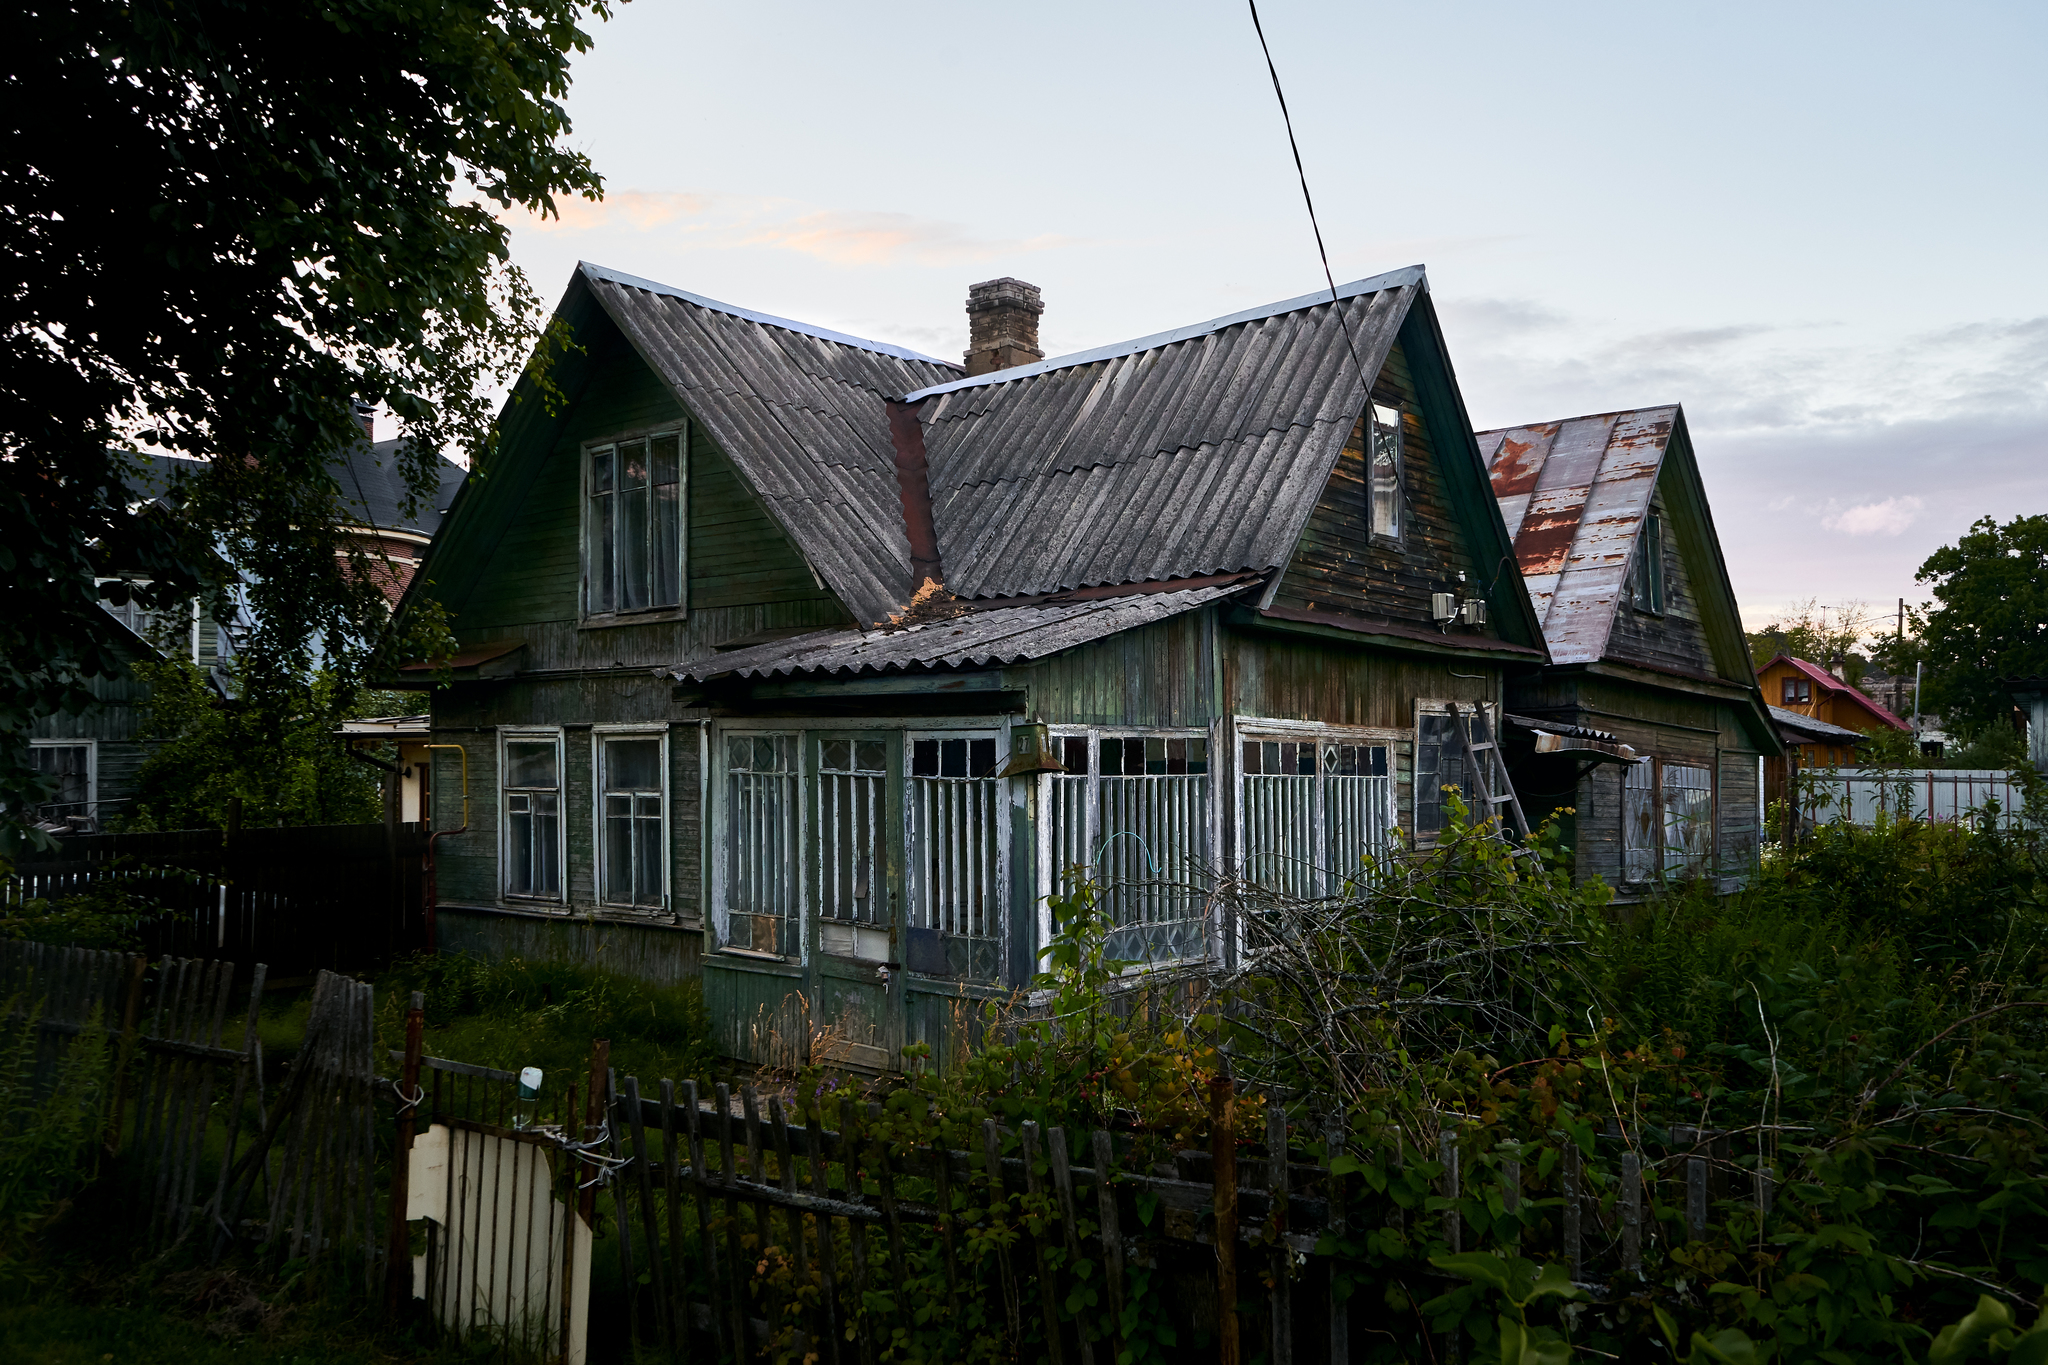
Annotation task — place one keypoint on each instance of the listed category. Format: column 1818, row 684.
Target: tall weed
column 47, row 1140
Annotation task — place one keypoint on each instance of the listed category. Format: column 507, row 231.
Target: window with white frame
column 71, row 765
column 633, row 525
column 1639, row 821
column 954, row 813
column 531, row 793
column 1132, row 810
column 761, row 806
column 1441, row 761
column 632, row 859
column 1688, row 794
column 851, row 871
column 1315, row 811
column 1384, row 477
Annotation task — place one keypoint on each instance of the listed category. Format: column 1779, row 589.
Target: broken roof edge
column 1582, row 417
column 610, row 276
column 1392, row 279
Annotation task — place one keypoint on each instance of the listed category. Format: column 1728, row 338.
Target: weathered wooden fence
column 300, row 898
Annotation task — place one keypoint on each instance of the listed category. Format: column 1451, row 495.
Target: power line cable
column 1307, row 198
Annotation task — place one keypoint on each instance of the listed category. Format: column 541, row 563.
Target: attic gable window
column 1384, row 476
column 1647, row 580
column 633, row 525
column 1798, row 691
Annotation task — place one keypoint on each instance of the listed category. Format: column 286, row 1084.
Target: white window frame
column 599, row 846
column 1653, row 850
column 719, row 841
column 1259, row 730
column 1375, row 419
column 532, row 734
column 92, row 771
column 1442, row 707
column 1051, row 860
column 996, row 913
column 592, row 614
column 1702, row 864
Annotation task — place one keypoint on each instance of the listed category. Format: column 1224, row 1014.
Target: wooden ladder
column 1482, row 785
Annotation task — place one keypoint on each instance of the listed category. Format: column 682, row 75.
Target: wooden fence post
column 1631, row 1213
column 1336, row 1141
column 1112, row 1232
column 1454, row 1221
column 1574, row 1210
column 1283, row 1256
column 398, row 1247
column 1048, row 1293
column 1223, row 1157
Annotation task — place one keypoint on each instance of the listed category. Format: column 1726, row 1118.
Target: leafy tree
column 1830, row 637
column 225, row 223
column 1990, row 618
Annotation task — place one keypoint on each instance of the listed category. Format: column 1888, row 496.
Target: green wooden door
column 853, row 866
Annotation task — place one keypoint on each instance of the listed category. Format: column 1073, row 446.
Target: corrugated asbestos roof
column 800, row 411
column 1197, row 451
column 1574, row 495
column 1816, row 729
column 978, row 639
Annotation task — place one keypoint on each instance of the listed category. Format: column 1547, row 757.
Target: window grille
column 1688, row 820
column 72, row 767
column 634, row 557
column 631, row 781
column 1386, row 472
column 1314, row 812
column 761, row 842
column 954, row 820
column 533, row 818
column 1135, row 810
column 1639, row 821
column 852, row 859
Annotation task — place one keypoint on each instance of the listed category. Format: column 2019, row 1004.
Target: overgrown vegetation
column 53, row 1096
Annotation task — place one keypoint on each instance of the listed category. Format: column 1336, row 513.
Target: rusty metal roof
column 1574, row 495
column 799, row 410
column 982, row 638
column 1196, row 451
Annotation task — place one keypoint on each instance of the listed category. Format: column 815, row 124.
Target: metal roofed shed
column 1555, row 737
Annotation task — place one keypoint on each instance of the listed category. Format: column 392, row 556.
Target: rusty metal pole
column 1223, row 1156
column 398, row 1253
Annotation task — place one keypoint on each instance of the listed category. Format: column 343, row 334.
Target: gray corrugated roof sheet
column 978, row 639
column 1197, row 451
column 1818, row 729
column 799, row 410
column 1574, row 494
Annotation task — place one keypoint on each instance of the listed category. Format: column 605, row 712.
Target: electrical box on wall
column 1443, row 606
column 1473, row 612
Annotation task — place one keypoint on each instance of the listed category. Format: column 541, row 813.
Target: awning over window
column 1554, row 737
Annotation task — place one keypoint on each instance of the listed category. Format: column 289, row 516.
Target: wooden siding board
column 1675, row 640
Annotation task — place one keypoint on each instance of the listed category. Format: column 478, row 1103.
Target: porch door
column 957, row 882
column 854, row 870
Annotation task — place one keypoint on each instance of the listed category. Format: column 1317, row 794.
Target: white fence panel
column 1856, row 795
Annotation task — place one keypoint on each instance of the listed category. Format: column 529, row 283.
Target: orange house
column 1809, row 690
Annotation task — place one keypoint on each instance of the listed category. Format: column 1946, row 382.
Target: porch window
column 633, row 559
column 1314, row 810
column 1440, row 763
column 532, row 766
column 1133, row 809
column 852, row 859
column 630, row 788
column 1648, row 579
column 71, row 764
column 761, row 842
column 1385, row 476
column 1639, row 821
column 954, row 815
column 1688, row 819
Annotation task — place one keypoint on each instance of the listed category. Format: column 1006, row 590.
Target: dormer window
column 1647, row 584
column 1384, row 476
column 1798, row 691
column 633, row 532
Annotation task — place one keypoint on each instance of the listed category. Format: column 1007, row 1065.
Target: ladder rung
column 1497, row 800
column 1485, row 744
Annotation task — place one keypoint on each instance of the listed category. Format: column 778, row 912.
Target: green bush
column 47, row 1141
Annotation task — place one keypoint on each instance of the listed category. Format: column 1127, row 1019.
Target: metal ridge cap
column 611, row 276
column 1582, row 417
column 1392, row 279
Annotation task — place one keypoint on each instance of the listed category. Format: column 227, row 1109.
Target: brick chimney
column 1002, row 325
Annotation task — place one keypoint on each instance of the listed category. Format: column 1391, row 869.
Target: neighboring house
column 382, row 518
column 812, row 664
column 94, row 756
column 410, row 799
column 1617, row 545
column 1812, row 691
column 1809, row 743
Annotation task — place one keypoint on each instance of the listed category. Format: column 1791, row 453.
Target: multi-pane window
column 1647, row 580
column 1798, row 691
column 633, row 557
column 851, row 869
column 1384, row 475
column 761, row 808
column 533, row 817
column 1440, row 762
column 630, row 804
column 1639, row 821
column 71, row 766
column 1688, row 819
column 1314, row 811
column 1132, row 811
column 953, row 819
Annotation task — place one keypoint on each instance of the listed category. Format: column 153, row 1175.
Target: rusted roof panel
column 1575, row 494
column 1196, row 451
column 977, row 639
column 799, row 411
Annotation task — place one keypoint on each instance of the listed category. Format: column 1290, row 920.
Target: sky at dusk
column 1820, row 228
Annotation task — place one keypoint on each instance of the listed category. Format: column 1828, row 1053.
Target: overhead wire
column 1307, row 198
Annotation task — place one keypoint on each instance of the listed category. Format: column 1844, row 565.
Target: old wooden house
column 1647, row 723
column 812, row 664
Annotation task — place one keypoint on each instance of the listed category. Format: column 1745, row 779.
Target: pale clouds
column 1887, row 518
column 729, row 222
